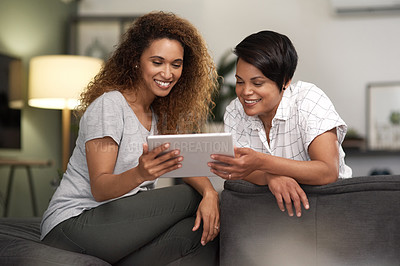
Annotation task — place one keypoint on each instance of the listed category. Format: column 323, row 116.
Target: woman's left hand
column 208, row 212
column 288, row 192
column 245, row 162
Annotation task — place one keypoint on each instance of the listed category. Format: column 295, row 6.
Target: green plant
column 395, row 118
column 352, row 134
column 226, row 91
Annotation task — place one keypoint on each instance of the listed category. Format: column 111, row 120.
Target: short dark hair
column 272, row 53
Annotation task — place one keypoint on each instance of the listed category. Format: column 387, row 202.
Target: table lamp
column 56, row 82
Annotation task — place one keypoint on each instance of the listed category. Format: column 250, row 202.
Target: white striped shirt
column 304, row 113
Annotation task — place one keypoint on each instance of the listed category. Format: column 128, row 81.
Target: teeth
column 252, row 101
column 164, row 84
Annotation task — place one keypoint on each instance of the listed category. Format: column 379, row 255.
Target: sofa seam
column 316, row 229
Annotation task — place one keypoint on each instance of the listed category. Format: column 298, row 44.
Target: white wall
column 341, row 54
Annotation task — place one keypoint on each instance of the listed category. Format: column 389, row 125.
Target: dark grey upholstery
column 350, row 222
column 20, row 245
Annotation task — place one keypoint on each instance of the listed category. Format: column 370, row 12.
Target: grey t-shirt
column 109, row 115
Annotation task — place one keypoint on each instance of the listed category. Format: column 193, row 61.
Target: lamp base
column 66, row 135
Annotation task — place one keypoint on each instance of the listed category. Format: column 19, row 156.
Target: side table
column 27, row 164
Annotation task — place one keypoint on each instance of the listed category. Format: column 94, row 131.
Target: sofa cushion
column 20, row 245
column 350, row 222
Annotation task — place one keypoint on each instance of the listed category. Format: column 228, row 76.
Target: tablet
column 196, row 150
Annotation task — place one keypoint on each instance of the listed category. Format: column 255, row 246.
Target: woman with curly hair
column 159, row 80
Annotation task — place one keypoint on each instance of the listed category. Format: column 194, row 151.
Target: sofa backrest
column 353, row 221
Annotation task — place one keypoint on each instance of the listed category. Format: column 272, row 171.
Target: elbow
column 330, row 173
column 99, row 197
column 330, row 176
column 330, row 179
column 100, row 191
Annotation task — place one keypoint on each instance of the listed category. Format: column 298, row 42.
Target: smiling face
column 258, row 94
column 162, row 64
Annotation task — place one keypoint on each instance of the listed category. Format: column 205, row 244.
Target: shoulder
column 307, row 96
column 107, row 99
column 107, row 106
column 104, row 117
column 111, row 96
column 305, row 90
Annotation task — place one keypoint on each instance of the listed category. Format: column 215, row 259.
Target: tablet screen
column 196, row 150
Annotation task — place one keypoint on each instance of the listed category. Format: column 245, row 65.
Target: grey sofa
column 350, row 222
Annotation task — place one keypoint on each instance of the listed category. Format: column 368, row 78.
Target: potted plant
column 226, row 90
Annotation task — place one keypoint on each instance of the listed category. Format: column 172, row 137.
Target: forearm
column 312, row 172
column 257, row 177
column 110, row 186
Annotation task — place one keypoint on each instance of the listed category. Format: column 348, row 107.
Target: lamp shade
column 56, row 81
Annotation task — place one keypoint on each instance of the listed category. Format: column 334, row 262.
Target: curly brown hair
column 187, row 106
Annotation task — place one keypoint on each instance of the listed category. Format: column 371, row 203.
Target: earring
column 136, row 66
